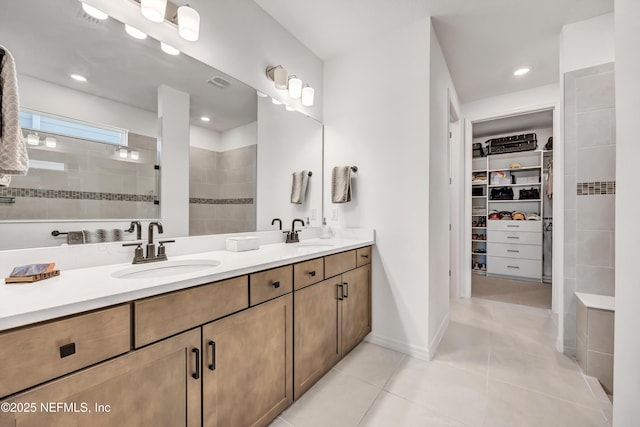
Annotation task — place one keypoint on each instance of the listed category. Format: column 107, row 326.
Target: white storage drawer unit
column 526, row 268
column 515, row 251
column 506, row 225
column 517, row 237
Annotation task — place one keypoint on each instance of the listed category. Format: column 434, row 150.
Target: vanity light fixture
column 205, row 119
column 134, row 32
column 275, row 101
column 278, row 75
column 50, row 142
column 153, row 10
column 521, row 71
column 123, row 153
column 168, row 49
column 78, row 77
column 295, row 87
column 307, row 95
column 135, row 155
column 33, row 139
column 188, row 23
column 94, row 12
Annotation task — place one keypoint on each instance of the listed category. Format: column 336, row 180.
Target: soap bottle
column 325, row 233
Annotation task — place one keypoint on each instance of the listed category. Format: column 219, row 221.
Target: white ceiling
column 513, row 124
column 483, row 40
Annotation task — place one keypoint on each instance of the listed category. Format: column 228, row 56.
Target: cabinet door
column 156, row 386
column 248, row 365
column 316, row 338
column 356, row 307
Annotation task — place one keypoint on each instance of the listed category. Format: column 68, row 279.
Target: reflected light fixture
column 50, row 142
column 205, row 119
column 168, row 49
column 307, row 95
column 521, row 71
column 295, row 87
column 278, row 75
column 123, row 153
column 275, row 101
column 153, row 10
column 135, row 155
column 134, row 32
column 188, row 23
column 33, row 139
column 94, row 12
column 288, row 108
column 78, row 77
column 262, row 94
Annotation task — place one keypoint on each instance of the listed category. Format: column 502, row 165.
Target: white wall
column 626, row 411
column 382, row 126
column 439, row 190
column 512, row 103
column 238, row 137
column 238, row 38
column 587, row 43
column 288, row 142
column 207, row 139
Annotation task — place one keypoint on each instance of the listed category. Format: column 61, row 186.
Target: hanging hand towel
column 341, row 184
column 299, row 187
column 550, row 180
column 13, row 149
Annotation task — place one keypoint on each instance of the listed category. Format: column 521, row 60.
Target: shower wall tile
column 595, row 280
column 571, row 156
column 595, row 92
column 570, row 299
column 570, row 261
column 596, row 213
column 570, row 226
column 594, row 128
column 596, row 163
column 570, row 183
column 594, row 248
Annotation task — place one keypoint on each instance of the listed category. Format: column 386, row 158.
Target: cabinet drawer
column 35, row 354
column 339, row 263
column 308, row 272
column 168, row 314
column 270, row 284
column 363, row 256
column 518, row 237
column 515, row 251
column 532, row 226
column 527, row 268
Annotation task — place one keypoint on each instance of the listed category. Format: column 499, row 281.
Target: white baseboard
column 403, row 347
column 435, row 342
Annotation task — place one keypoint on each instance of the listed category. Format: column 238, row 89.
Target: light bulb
column 262, row 94
column 134, row 32
column 168, row 49
column 50, row 142
column 94, row 12
column 289, row 108
column 135, row 155
column 123, row 153
column 188, row 23
column 521, row 71
column 295, row 87
column 153, row 10
column 307, row 96
column 78, row 77
column 275, row 101
column 33, row 139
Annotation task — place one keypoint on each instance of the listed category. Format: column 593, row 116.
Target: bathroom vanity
column 231, row 345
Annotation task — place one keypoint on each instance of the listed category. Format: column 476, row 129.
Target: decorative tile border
column 74, row 195
column 596, row 188
column 202, row 201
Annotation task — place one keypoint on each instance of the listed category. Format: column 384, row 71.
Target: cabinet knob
column 276, row 284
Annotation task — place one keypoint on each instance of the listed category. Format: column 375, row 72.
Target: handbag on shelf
column 529, row 194
column 502, row 193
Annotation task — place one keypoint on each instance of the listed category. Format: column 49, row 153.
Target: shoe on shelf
column 483, row 267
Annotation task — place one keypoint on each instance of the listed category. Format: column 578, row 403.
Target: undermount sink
column 165, row 268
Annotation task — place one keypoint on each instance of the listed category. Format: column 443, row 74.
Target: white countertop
column 83, row 289
column 602, row 302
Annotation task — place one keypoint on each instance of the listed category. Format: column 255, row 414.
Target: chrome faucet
column 292, row 236
column 273, row 221
column 139, row 257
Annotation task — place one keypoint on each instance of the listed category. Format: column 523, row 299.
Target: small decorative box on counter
column 246, row 243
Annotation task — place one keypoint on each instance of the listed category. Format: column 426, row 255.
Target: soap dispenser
column 326, row 230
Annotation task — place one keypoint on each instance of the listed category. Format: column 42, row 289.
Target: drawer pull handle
column 212, row 366
column 312, row 273
column 67, row 350
column 276, row 284
column 196, row 374
column 513, row 226
column 340, row 291
column 512, row 237
column 346, row 289
column 513, row 251
column 512, row 266
column 365, row 256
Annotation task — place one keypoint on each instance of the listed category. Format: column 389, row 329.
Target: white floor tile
column 337, row 400
column 279, row 422
column 392, row 411
column 453, row 392
column 370, row 363
column 465, row 347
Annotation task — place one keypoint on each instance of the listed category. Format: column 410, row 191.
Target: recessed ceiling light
column 96, row 13
column 275, row 101
column 134, row 32
column 168, row 49
column 521, row 71
column 205, row 119
column 78, row 77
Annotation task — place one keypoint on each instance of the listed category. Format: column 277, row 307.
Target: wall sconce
column 278, row 75
column 307, row 95
column 33, row 139
column 185, row 17
column 123, row 153
column 135, row 155
column 295, row 87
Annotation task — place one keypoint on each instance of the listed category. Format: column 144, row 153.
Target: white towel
column 13, row 149
column 299, row 187
column 341, row 184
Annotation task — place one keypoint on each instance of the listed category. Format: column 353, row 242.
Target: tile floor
column 496, row 367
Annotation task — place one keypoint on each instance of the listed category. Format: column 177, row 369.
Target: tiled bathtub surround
column 222, row 187
column 589, row 222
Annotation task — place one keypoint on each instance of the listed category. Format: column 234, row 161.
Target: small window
column 67, row 127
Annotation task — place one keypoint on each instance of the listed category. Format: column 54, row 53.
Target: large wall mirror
column 94, row 145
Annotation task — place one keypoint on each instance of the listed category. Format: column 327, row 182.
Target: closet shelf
column 514, row 201
column 478, row 197
column 515, row 185
column 478, row 227
column 524, row 168
column 478, row 183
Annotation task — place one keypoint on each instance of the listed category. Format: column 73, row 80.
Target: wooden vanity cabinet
column 247, row 365
column 159, row 385
column 331, row 318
